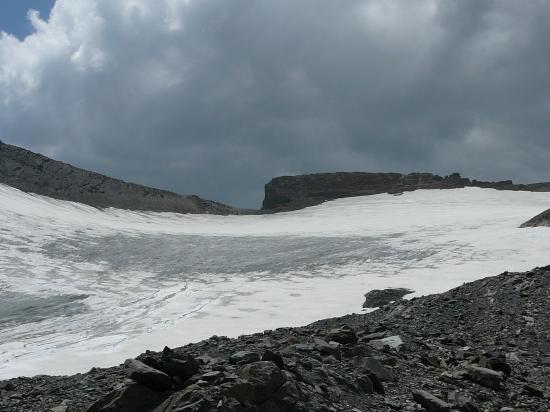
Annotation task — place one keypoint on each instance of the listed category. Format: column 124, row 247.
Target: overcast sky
column 215, row 97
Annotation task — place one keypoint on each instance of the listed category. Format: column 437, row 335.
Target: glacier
column 83, row 287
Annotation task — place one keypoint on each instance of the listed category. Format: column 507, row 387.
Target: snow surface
column 82, row 287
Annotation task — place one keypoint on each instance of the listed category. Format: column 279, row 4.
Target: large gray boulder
column 150, row 377
column 430, row 402
column 485, row 377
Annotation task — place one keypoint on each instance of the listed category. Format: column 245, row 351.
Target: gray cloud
column 216, row 97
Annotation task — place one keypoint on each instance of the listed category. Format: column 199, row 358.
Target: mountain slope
column 295, row 192
column 35, row 173
column 542, row 219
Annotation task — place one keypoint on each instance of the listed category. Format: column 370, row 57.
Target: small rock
column 497, row 363
column 392, row 341
column 5, row 385
column 326, row 348
column 274, row 357
column 430, row 361
column 63, row 407
column 373, row 336
column 183, row 368
column 365, row 384
column 430, row 402
column 462, row 402
column 302, row 347
column 533, row 390
column 376, row 383
column 212, row 376
column 244, row 357
column 259, row 382
column 374, row 366
column 343, row 335
column 190, row 399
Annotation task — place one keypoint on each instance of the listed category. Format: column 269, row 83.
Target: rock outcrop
column 483, row 346
column 35, row 173
column 296, row 192
column 380, row 297
column 542, row 219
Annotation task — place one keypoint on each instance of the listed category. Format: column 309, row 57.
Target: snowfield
column 82, row 287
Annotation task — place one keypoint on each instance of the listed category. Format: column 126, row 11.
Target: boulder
column 259, row 381
column 496, row 362
column 364, row 384
column 485, row 377
column 146, row 375
column 326, row 348
column 183, row 368
column 274, row 357
column 285, row 397
column 377, row 385
column 343, row 335
column 244, row 357
column 375, row 367
column 212, row 376
column 430, row 402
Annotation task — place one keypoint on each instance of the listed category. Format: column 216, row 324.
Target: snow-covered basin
column 82, row 287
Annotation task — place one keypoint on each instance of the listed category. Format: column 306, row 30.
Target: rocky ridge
column 35, row 173
column 296, row 192
column 484, row 346
column 542, row 219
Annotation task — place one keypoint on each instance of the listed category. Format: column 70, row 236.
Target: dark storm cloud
column 216, row 97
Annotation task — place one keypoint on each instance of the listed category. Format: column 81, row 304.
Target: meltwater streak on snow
column 81, row 287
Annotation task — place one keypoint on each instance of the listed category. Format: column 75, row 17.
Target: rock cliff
column 295, row 192
column 35, row 173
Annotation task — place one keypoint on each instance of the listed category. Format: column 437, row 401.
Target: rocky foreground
column 484, row 346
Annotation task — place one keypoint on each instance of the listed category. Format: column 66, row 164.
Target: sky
column 13, row 15
column 217, row 97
